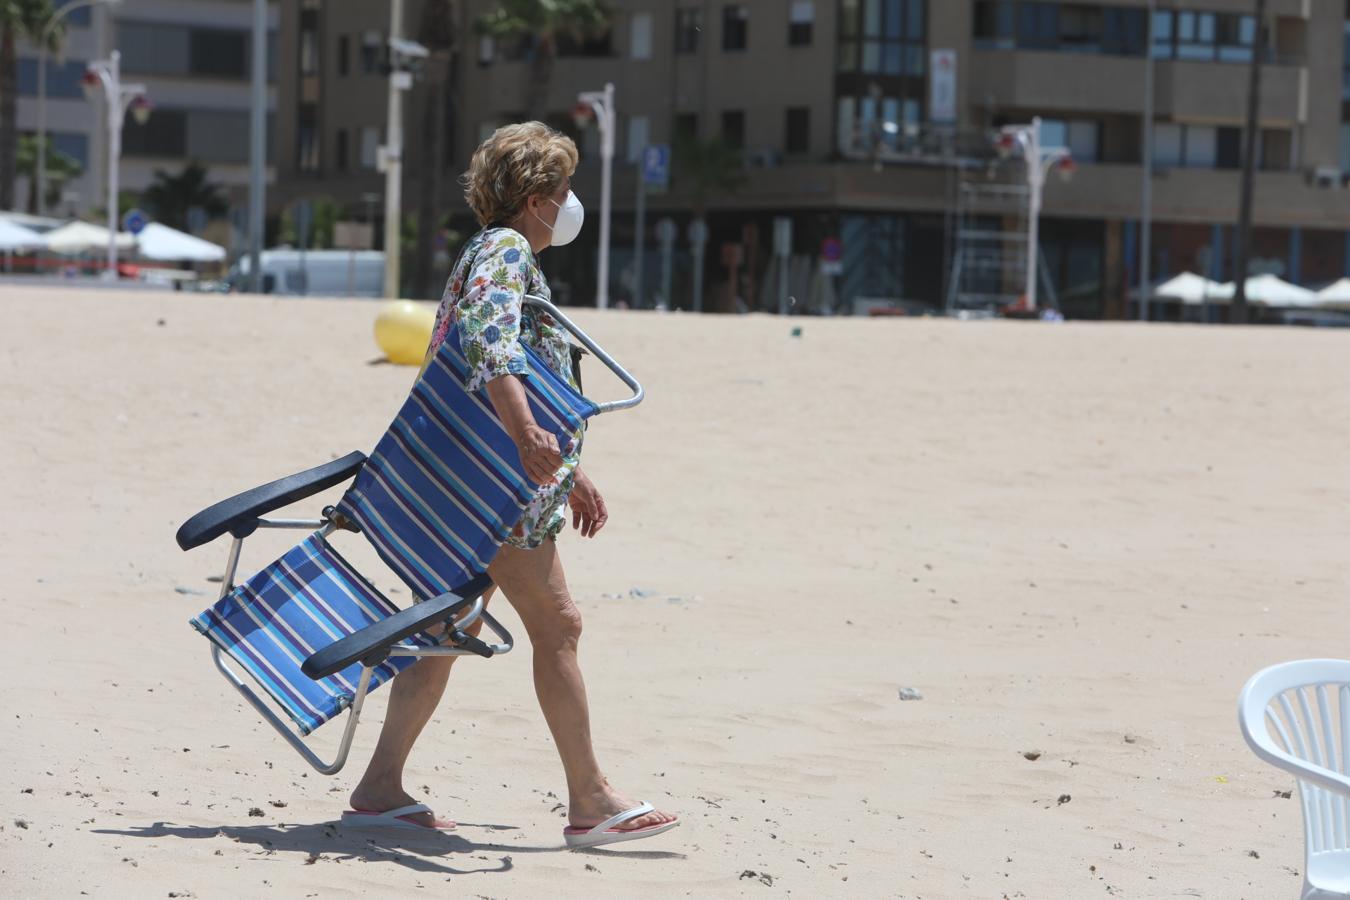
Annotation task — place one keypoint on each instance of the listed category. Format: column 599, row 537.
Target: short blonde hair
column 516, row 163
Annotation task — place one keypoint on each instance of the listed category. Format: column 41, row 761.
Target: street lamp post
column 1039, row 161
column 118, row 98
column 1146, row 189
column 601, row 105
column 56, row 17
column 402, row 54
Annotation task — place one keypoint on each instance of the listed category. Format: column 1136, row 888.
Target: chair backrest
column 444, row 486
column 1296, row 716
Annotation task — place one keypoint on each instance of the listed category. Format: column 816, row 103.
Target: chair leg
column 297, row 743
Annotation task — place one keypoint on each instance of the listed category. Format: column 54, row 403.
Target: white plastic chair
column 1296, row 715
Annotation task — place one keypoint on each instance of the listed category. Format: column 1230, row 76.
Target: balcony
column 1196, row 195
column 1067, row 82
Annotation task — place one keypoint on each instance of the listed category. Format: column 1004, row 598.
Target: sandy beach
column 1074, row 540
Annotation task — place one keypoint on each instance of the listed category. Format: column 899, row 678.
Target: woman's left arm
column 589, row 513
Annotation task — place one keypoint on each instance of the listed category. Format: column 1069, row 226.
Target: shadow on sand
column 410, row 849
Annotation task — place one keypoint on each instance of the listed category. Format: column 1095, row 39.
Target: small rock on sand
column 1032, row 755
column 255, row 811
column 909, row 693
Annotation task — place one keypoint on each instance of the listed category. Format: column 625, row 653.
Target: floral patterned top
column 485, row 298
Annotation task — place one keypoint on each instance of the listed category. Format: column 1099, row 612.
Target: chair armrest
column 238, row 514
column 371, row 644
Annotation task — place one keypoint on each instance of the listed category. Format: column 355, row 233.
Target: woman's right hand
column 539, row 453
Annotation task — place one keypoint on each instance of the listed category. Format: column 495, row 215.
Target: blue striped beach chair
column 436, row 497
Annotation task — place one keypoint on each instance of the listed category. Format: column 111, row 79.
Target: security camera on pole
column 119, row 97
column 1039, row 161
column 600, row 105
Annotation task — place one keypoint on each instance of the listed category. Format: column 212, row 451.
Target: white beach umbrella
column 1335, row 295
column 83, row 237
column 16, row 237
column 1191, row 289
column 161, row 242
column 1272, row 290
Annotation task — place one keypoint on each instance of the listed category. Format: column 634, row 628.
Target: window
column 872, row 126
column 62, row 80
column 163, row 134
column 1080, row 136
column 1162, row 35
column 596, row 43
column 1080, row 29
column 217, row 136
column 798, row 138
column 78, row 18
column 1123, row 31
column 1195, row 35
column 487, row 50
column 1196, row 146
column 344, row 46
column 638, row 130
column 688, row 26
column 735, row 26
column 309, row 49
column 994, row 24
column 801, row 22
column 1083, row 140
column 640, row 36
column 1166, row 144
column 340, row 149
column 370, row 147
column 371, row 42
column 72, row 144
column 883, row 37
column 219, row 53
column 1038, row 26
column 1201, row 147
column 733, row 128
column 307, row 145
column 1236, row 38
column 1228, row 154
column 152, row 49
column 1276, row 149
column 685, row 127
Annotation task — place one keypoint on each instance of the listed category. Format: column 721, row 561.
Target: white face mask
column 567, row 225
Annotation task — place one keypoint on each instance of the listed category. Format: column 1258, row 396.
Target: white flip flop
column 607, row 833
column 392, row 818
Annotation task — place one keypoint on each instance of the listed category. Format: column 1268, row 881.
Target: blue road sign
column 656, row 164
column 134, row 221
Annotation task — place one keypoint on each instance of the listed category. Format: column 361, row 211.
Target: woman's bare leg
column 534, row 583
column 412, row 699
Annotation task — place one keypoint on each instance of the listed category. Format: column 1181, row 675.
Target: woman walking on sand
column 519, row 188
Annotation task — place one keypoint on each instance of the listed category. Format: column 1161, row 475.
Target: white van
column 315, row 273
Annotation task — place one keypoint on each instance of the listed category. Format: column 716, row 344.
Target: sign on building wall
column 942, row 87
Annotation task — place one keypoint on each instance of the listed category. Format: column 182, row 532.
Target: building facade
column 193, row 56
column 855, row 118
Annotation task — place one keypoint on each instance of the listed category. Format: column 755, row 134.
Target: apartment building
column 193, row 56
column 854, row 117
column 72, row 128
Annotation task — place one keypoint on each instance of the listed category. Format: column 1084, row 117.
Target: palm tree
column 61, row 168
column 18, row 18
column 436, row 32
column 543, row 21
column 707, row 167
column 169, row 197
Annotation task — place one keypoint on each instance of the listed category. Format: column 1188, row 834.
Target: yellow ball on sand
column 403, row 330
